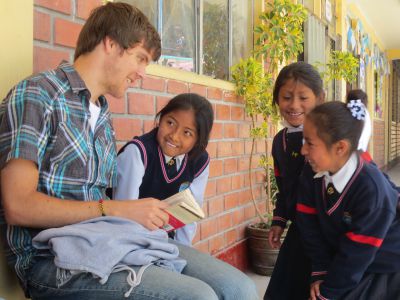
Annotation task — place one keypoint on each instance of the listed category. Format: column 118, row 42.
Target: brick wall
column 378, row 135
column 227, row 199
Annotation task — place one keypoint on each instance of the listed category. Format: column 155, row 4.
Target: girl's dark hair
column 303, row 72
column 357, row 94
column 334, row 122
column 124, row 24
column 203, row 114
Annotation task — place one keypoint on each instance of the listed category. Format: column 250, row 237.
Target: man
column 58, row 154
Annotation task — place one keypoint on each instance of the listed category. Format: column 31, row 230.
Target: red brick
column 211, row 189
column 161, row 102
column 238, row 216
column 216, row 244
column 141, row 104
column 214, row 93
column 231, row 236
column 212, row 149
column 215, row 206
column 44, row 58
column 202, row 247
column 231, row 201
column 208, row 228
column 244, row 130
column 224, row 222
column 63, row 6
column 237, row 148
column 41, row 26
column 230, row 131
column 223, row 112
column 116, row 105
column 148, row 125
column 198, row 89
column 230, row 166
column 66, row 32
column 249, row 212
column 243, row 164
column 224, row 149
column 216, row 132
column 237, row 113
column 224, row 185
column 176, row 87
column 229, row 96
column 125, row 129
column 216, row 168
column 238, row 181
column 153, row 83
column 84, row 7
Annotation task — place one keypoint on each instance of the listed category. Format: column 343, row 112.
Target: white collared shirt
column 291, row 128
column 341, row 177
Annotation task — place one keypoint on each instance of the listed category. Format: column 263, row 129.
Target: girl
column 298, row 89
column 169, row 158
column 347, row 211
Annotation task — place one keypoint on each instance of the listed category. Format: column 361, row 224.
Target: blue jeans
column 204, row 278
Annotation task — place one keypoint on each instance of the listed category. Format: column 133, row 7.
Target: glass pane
column 242, row 21
column 178, row 34
column 215, row 38
column 148, row 7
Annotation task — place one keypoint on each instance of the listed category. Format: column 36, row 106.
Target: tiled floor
column 262, row 281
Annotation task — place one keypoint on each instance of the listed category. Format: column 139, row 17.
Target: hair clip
column 357, row 109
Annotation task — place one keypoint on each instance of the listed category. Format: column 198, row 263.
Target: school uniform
column 290, row 277
column 351, row 231
column 144, row 171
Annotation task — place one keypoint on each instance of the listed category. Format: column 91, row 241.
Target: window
column 202, row 36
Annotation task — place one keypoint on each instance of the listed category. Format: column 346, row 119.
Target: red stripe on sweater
column 364, row 239
column 306, row 209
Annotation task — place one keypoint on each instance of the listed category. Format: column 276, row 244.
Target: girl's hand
column 314, row 290
column 274, row 236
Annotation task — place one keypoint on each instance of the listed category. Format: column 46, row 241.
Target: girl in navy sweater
column 169, row 158
column 347, row 211
column 298, row 89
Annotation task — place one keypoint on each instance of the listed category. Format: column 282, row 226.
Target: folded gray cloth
column 105, row 245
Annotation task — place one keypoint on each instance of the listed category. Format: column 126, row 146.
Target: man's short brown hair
column 124, row 24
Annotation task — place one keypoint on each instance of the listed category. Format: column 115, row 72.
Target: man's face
column 124, row 67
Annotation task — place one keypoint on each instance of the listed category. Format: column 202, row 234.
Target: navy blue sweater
column 288, row 163
column 359, row 232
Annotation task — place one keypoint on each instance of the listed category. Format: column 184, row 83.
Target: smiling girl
column 169, row 158
column 298, row 89
column 347, row 211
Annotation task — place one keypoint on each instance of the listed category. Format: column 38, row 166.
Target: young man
column 58, row 155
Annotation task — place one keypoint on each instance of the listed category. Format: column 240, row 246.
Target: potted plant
column 280, row 40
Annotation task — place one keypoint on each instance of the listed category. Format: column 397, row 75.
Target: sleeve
column 130, row 172
column 359, row 245
column 280, row 216
column 315, row 245
column 25, row 123
column 186, row 234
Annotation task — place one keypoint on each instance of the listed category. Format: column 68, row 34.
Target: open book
column 183, row 209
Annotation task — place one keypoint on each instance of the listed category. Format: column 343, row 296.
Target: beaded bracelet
column 101, row 207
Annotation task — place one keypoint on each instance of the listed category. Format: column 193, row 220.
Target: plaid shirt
column 45, row 119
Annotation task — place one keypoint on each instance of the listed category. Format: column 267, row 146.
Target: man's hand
column 274, row 236
column 149, row 212
column 314, row 290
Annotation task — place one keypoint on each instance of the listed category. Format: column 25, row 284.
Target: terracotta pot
column 262, row 256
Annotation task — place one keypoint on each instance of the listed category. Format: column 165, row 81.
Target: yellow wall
column 16, row 27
